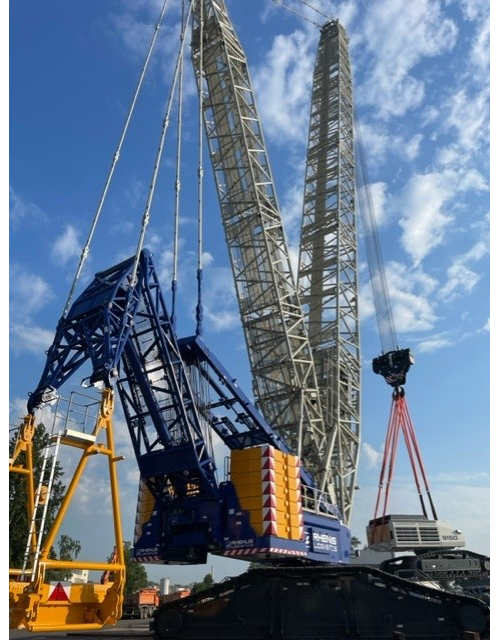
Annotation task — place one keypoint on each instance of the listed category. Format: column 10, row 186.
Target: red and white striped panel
column 253, row 551
column 269, row 517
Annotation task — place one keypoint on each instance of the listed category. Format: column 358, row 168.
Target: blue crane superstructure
column 125, row 331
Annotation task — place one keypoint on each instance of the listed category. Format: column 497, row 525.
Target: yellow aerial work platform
column 37, row 605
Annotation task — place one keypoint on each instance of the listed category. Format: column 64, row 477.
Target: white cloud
column 285, row 80
column 473, row 9
column 66, row 246
column 293, row 253
column 291, row 215
column 452, row 155
column 391, row 88
column 436, row 342
column 411, row 298
column 134, row 28
column 28, row 292
column 369, row 454
column 366, row 306
column 17, row 411
column 423, row 219
column 470, row 180
column 429, row 114
column 26, row 337
column 378, row 145
column 460, row 279
column 164, row 264
column 480, row 55
column 123, row 228
column 375, row 143
column 93, row 494
column 412, row 147
column 468, row 115
column 136, row 193
column 450, row 338
column 411, row 294
column 21, row 209
column 135, row 25
column 378, row 193
column 463, row 477
column 219, row 300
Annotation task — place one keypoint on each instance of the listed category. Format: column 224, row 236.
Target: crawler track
column 314, row 603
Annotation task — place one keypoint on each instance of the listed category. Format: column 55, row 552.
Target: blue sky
column 421, row 82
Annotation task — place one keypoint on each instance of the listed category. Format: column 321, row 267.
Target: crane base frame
column 61, row 606
column 313, row 603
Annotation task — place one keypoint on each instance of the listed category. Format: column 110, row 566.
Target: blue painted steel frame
column 124, row 329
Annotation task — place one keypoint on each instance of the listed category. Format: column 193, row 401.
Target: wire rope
column 324, row 15
column 114, row 162
column 177, row 181
column 199, row 272
column 296, row 13
column 159, row 153
column 381, row 299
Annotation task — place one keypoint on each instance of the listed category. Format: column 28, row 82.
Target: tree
column 208, row 582
column 18, row 503
column 355, row 543
column 136, row 577
column 69, row 549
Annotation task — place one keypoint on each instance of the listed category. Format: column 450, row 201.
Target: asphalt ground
column 137, row 629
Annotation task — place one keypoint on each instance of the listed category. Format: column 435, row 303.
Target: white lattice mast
column 328, row 277
column 282, row 367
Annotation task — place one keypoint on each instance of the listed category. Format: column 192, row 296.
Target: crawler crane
column 286, row 502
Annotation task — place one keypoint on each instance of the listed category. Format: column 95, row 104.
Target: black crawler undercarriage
column 317, row 603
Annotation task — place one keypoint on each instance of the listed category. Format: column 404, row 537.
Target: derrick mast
column 284, row 379
column 328, row 279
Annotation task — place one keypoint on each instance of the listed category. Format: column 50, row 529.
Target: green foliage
column 136, row 577
column 208, row 582
column 69, row 549
column 355, row 543
column 18, row 504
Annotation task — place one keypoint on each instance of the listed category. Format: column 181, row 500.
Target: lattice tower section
column 328, row 274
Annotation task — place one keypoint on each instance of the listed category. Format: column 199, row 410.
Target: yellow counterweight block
column 144, row 509
column 267, row 482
